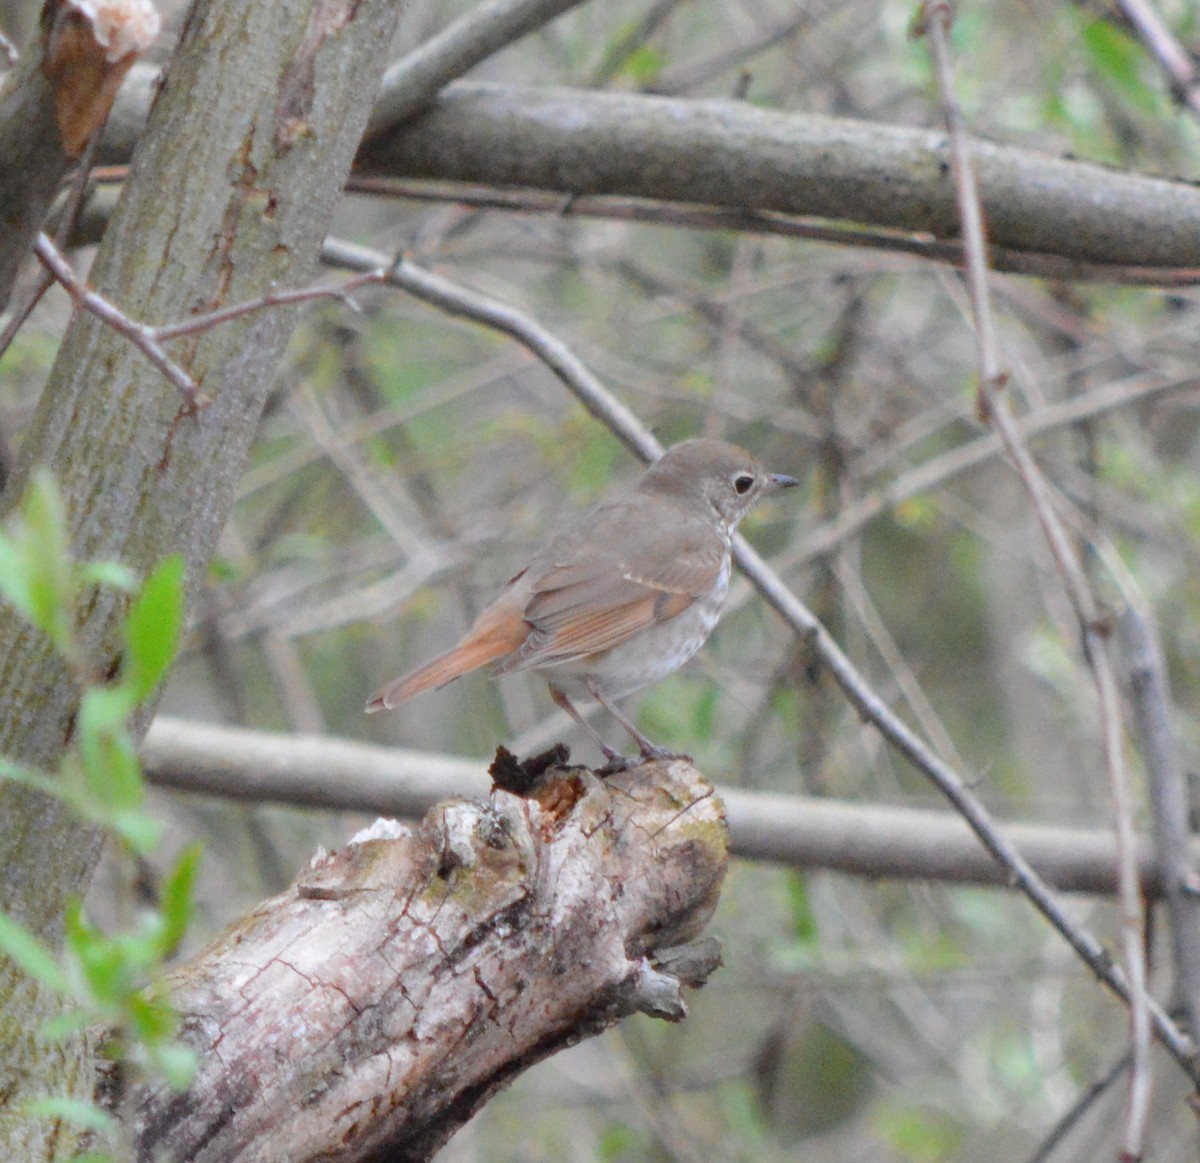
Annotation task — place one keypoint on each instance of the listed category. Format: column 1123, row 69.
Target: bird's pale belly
column 647, row 657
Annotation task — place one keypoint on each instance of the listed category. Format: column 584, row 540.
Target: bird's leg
column 561, row 700
column 648, row 750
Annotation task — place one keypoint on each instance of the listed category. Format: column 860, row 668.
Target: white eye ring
column 743, row 482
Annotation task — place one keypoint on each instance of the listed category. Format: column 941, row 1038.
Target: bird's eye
column 743, row 483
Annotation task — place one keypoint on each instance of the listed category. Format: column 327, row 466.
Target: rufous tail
column 489, row 639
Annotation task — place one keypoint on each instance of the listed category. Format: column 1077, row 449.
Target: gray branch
column 412, row 83
column 722, row 153
column 1176, row 858
column 800, row 831
column 728, row 155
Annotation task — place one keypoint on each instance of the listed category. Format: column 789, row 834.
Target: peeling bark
column 369, row 1010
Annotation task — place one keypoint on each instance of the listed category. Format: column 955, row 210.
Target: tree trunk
column 230, row 194
column 370, row 1009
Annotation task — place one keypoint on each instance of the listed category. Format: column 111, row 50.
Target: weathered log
column 371, row 1008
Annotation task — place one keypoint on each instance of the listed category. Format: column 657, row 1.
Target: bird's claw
column 647, row 754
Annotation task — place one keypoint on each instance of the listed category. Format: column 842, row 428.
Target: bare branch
column 1151, row 698
column 626, row 427
column 727, row 165
column 340, row 291
column 1174, row 59
column 871, row 840
column 755, row 222
column 936, row 16
column 823, row 539
column 138, row 334
column 734, row 155
column 411, row 84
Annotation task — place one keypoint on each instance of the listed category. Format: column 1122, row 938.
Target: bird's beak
column 778, row 480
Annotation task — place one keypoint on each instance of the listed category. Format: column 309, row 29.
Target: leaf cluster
column 107, row 980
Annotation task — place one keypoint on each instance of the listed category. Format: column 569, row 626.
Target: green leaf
column 15, row 576
column 176, row 1062
column 67, row 1025
column 152, row 628
column 109, row 573
column 29, row 776
column 176, row 898
column 51, row 571
column 104, row 973
column 112, row 776
column 104, row 710
column 21, row 946
column 74, row 1111
column 804, row 920
column 152, row 1021
column 644, row 65
column 142, row 832
column 1119, row 57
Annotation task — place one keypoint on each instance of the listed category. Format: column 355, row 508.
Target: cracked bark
column 370, row 1009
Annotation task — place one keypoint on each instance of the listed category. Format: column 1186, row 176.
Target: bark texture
column 727, row 154
column 370, row 1009
column 230, row 194
column 724, row 153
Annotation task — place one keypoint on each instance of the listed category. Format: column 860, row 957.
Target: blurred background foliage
column 852, row 1020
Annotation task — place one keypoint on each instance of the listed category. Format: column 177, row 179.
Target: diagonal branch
column 936, row 16
column 411, row 84
column 601, row 404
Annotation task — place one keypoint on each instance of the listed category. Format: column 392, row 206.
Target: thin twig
column 458, row 301
column 18, row 314
column 148, row 339
column 412, row 83
column 1080, row 1107
column 85, row 298
column 1151, row 697
column 935, row 18
column 626, row 427
column 690, row 216
column 379, row 498
column 1175, row 60
column 340, row 291
column 823, row 539
column 910, row 689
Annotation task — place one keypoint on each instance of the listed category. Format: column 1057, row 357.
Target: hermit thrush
column 621, row 598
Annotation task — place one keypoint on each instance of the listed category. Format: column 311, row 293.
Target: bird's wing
column 584, row 599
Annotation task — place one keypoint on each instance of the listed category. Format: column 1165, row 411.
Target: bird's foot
column 650, row 753
column 616, row 763
column 646, row 754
